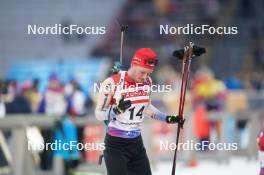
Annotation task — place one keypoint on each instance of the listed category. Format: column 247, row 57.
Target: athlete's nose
column 145, row 76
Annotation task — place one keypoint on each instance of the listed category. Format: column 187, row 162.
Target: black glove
column 172, row 119
column 122, row 105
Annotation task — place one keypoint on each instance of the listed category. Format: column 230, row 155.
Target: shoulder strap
column 121, row 81
column 149, row 80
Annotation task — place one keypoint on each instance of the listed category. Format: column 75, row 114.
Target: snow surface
column 238, row 166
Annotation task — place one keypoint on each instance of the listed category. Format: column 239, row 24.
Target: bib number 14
column 139, row 113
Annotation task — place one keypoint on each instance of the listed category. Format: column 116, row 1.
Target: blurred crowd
column 209, row 98
column 144, row 19
column 58, row 99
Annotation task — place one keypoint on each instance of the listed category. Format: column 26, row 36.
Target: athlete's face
column 140, row 73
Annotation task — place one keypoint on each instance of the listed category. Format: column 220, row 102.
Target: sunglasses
column 151, row 62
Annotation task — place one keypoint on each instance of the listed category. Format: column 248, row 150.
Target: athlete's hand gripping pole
column 122, row 106
column 173, row 119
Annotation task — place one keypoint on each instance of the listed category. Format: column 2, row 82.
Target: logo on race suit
column 137, row 59
column 135, row 94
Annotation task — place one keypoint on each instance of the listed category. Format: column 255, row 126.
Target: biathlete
column 123, row 102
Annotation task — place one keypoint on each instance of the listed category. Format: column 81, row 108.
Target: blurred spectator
column 76, row 100
column 32, row 94
column 19, row 105
column 35, row 96
column 209, row 95
column 233, row 83
column 11, row 89
column 201, row 123
column 17, row 102
column 206, row 88
column 257, row 81
column 53, row 102
column 66, row 132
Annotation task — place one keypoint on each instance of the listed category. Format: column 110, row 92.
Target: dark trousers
column 126, row 156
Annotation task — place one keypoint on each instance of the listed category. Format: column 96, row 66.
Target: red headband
column 145, row 57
